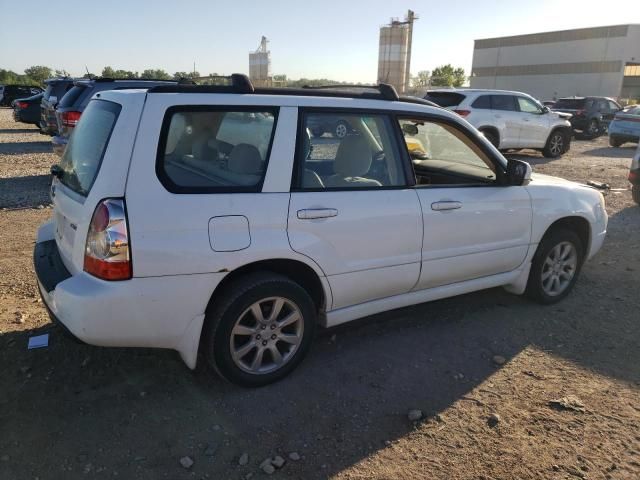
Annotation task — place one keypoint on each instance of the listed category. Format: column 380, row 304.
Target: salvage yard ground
column 508, row 389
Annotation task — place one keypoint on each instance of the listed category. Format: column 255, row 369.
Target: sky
column 335, row 39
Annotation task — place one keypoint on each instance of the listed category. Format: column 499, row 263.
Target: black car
column 590, row 115
column 8, row 93
column 74, row 102
column 56, row 89
column 27, row 110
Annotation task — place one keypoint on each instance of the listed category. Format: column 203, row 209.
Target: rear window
column 83, row 155
column 72, row 96
column 570, row 103
column 207, row 149
column 483, row 102
column 445, row 99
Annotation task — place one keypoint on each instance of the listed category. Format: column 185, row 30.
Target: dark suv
column 77, row 98
column 56, row 89
column 590, row 115
column 12, row 92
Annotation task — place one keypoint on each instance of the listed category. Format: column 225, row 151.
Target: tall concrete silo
column 394, row 56
column 260, row 65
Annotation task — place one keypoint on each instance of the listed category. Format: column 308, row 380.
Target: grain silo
column 260, row 65
column 394, row 57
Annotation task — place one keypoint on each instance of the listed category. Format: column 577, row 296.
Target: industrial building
column 260, row 65
column 394, row 55
column 602, row 61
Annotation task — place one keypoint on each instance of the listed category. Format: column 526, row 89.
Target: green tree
column 157, row 74
column 421, row 80
column 38, row 73
column 447, row 76
column 188, row 75
column 61, row 73
column 109, row 72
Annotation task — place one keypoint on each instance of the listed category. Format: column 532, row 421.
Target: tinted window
column 445, row 99
column 528, row 106
column 483, row 101
column 613, row 106
column 215, row 149
column 503, row 102
column 71, row 96
column 570, row 103
column 367, row 157
column 83, row 155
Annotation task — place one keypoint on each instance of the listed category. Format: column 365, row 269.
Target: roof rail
column 113, row 79
column 387, row 91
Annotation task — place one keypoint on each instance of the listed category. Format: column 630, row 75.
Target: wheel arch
column 494, row 130
column 578, row 224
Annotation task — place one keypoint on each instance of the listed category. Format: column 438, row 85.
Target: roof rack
column 386, row 90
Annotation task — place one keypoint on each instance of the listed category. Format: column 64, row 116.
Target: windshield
column 83, row 155
column 445, row 99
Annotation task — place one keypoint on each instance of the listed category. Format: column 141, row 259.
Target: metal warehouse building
column 588, row 61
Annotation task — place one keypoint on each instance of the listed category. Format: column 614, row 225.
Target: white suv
column 206, row 219
column 509, row 120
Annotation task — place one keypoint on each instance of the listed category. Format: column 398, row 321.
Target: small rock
column 210, row 451
column 139, row 458
column 248, row 475
column 186, row 462
column 493, row 420
column 387, row 442
column 244, row 459
column 499, row 360
column 414, row 415
column 266, row 461
column 216, row 427
column 333, row 338
column 268, row 469
column 85, row 362
column 570, row 402
column 277, row 461
column 556, row 468
column 25, row 369
column 294, row 456
column 5, row 458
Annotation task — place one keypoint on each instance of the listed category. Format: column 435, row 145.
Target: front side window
column 503, row 102
column 215, row 149
column 367, row 156
column 528, row 106
column 83, row 155
column 442, row 154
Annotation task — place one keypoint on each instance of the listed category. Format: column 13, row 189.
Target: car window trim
column 298, row 168
column 174, row 188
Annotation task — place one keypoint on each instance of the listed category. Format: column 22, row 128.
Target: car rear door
column 352, row 209
column 506, row 115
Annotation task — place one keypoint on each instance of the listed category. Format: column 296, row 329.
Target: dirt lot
column 73, row 411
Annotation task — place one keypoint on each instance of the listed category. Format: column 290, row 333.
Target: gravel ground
column 489, row 373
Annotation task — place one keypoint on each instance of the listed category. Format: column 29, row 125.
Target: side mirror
column 410, row 129
column 545, row 109
column 518, row 172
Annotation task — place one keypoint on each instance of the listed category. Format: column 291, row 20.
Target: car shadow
column 19, row 130
column 625, row 151
column 25, row 192
column 18, row 148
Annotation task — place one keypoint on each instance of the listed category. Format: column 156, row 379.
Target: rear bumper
column 153, row 312
column 578, row 123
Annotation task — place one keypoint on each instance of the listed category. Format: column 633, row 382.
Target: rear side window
column 445, row 99
column 207, row 149
column 503, row 102
column 83, row 155
column 570, row 103
column 71, row 96
column 482, row 102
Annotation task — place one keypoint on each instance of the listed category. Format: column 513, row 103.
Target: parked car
column 11, row 92
column 589, row 115
column 336, row 126
column 634, row 176
column 56, row 89
column 549, row 103
column 176, row 224
column 74, row 102
column 509, row 120
column 625, row 127
column 27, row 110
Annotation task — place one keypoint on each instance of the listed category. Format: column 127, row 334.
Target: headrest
column 245, row 158
column 306, row 144
column 176, row 130
column 353, row 158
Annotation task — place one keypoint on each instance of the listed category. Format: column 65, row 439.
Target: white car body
column 386, row 249
column 514, row 128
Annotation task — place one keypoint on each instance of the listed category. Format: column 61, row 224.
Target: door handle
column 446, row 205
column 313, row 213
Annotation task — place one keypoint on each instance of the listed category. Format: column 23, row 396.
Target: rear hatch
column 70, row 103
column 74, row 192
column 445, row 99
column 629, row 120
column 570, row 105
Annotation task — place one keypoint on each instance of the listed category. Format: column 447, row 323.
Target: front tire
column 593, row 129
column 555, row 266
column 615, row 142
column 556, row 144
column 260, row 331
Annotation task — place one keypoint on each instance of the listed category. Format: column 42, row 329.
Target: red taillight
column 463, row 113
column 22, row 104
column 70, row 119
column 579, row 113
column 634, row 176
column 107, row 255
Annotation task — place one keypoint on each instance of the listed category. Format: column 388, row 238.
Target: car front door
column 534, row 128
column 474, row 227
column 352, row 208
column 507, row 116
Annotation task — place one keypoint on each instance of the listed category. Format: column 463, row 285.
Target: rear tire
column 635, row 193
column 246, row 342
column 615, row 142
column 555, row 266
column 593, row 129
column 556, row 144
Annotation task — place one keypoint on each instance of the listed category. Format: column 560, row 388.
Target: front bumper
column 153, row 312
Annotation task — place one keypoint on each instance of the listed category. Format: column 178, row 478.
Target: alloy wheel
column 557, row 144
column 341, row 130
column 559, row 268
column 266, row 335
